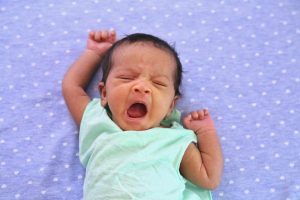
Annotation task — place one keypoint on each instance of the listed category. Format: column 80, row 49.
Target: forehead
column 143, row 52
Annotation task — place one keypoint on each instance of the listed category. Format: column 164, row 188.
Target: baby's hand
column 199, row 121
column 100, row 41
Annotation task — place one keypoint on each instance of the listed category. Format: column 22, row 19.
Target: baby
column 131, row 141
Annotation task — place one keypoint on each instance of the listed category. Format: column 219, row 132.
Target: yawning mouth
column 137, row 110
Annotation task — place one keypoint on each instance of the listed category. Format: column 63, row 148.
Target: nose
column 141, row 87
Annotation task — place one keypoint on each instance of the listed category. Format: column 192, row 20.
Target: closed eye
column 126, row 77
column 160, row 84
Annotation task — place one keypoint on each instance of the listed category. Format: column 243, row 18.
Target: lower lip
column 133, row 119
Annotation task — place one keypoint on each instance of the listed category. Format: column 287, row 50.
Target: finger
column 206, row 113
column 97, row 36
column 187, row 119
column 195, row 115
column 91, row 34
column 201, row 114
column 112, row 36
column 104, row 35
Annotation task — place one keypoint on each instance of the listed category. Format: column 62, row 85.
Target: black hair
column 106, row 62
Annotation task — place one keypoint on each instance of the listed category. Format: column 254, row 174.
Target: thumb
column 187, row 120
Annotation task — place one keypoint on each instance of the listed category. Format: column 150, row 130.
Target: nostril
column 147, row 91
column 142, row 88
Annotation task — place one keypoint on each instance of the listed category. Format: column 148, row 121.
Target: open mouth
column 137, row 110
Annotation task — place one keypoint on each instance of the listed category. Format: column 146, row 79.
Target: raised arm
column 202, row 164
column 82, row 70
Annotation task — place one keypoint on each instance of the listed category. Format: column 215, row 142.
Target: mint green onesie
column 124, row 165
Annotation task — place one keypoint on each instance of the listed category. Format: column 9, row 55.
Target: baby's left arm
column 202, row 164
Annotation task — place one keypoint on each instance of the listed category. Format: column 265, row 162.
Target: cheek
column 164, row 101
column 116, row 96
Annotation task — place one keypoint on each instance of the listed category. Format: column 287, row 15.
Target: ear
column 173, row 104
column 102, row 92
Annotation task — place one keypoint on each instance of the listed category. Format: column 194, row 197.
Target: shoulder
column 92, row 110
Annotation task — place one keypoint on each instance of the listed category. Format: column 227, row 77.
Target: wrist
column 202, row 131
column 94, row 52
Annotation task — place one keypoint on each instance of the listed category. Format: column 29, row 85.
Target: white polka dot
column 226, row 19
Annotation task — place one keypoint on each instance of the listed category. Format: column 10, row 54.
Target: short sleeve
column 95, row 122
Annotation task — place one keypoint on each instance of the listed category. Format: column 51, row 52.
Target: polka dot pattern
column 241, row 61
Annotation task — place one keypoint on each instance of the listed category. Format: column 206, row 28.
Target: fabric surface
column 134, row 164
column 241, row 60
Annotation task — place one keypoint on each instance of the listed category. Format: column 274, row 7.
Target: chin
column 135, row 127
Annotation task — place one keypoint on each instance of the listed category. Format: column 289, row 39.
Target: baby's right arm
column 81, row 71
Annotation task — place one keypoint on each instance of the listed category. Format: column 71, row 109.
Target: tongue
column 137, row 110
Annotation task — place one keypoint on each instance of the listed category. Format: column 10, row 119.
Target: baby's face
column 140, row 86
